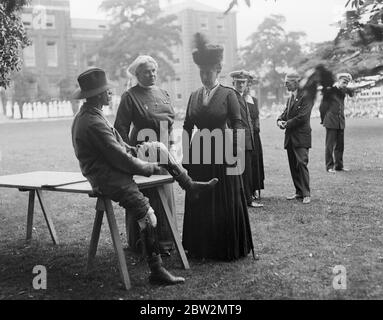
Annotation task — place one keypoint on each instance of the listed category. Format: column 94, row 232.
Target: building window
column 29, row 56
column 178, row 88
column 52, row 55
column 224, row 61
column 75, row 62
column 220, row 24
column 204, row 23
column 91, row 60
column 26, row 18
column 50, row 23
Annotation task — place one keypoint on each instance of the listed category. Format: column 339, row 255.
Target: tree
column 67, row 87
column 373, row 8
column 358, row 46
column 13, row 39
column 271, row 52
column 26, row 89
column 139, row 27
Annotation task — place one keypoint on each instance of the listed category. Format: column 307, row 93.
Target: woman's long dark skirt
column 217, row 225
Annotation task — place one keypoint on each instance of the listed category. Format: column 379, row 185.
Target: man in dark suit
column 240, row 83
column 295, row 120
column 333, row 119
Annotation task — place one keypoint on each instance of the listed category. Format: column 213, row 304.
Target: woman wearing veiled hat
column 217, row 226
column 147, row 107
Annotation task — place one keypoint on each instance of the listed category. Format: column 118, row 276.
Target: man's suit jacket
column 297, row 115
column 246, row 123
column 332, row 107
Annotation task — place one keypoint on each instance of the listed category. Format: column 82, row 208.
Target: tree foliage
column 139, row 27
column 358, row 46
column 271, row 51
column 13, row 39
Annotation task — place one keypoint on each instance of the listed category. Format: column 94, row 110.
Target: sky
column 315, row 17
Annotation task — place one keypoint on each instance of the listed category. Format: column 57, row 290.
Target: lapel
column 215, row 96
column 245, row 107
column 242, row 102
column 200, row 97
column 295, row 103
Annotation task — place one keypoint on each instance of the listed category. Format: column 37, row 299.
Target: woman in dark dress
column 217, row 226
column 147, row 109
column 257, row 161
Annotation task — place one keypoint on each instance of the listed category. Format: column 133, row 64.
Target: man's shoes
column 343, row 169
column 257, row 195
column 294, row 197
column 306, row 200
column 254, row 204
column 331, row 171
column 161, row 276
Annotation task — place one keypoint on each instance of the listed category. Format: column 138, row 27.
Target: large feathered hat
column 205, row 53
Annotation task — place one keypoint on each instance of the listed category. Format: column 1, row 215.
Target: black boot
column 159, row 275
column 167, row 161
column 193, row 188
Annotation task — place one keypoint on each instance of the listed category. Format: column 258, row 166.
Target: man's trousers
column 334, row 148
column 298, row 161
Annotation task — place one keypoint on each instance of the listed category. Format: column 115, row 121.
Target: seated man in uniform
column 109, row 165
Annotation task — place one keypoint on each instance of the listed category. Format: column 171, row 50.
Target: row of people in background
column 354, row 108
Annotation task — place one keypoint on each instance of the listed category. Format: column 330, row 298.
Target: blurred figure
column 295, row 120
column 333, row 119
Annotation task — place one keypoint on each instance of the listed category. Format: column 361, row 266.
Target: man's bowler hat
column 92, row 82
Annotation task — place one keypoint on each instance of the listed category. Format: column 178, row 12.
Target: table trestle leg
column 117, row 243
column 95, row 238
column 48, row 218
column 176, row 237
column 31, row 210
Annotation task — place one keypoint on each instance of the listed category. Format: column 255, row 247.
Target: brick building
column 219, row 28
column 49, row 58
column 62, row 47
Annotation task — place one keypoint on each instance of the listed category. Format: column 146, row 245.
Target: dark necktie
column 291, row 101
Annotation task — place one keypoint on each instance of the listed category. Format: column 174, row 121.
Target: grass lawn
column 298, row 245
